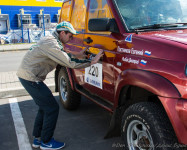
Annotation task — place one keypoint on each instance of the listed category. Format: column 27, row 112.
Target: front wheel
column 69, row 98
column 145, row 126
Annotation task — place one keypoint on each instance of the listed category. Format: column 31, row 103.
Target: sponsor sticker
column 93, row 75
column 129, row 38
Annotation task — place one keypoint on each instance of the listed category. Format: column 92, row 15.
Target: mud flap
column 115, row 123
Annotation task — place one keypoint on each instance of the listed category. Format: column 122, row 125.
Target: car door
column 102, row 86
column 74, row 11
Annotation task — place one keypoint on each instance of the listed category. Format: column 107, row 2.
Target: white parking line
column 23, row 140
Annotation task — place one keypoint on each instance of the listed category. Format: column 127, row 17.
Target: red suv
column 142, row 77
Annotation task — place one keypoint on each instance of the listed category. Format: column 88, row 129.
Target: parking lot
column 83, row 129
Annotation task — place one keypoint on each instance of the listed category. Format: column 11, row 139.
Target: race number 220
column 94, row 75
column 93, row 71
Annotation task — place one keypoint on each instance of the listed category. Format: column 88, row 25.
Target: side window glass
column 79, row 14
column 65, row 11
column 99, row 9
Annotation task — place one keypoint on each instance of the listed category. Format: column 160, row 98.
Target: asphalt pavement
column 82, row 129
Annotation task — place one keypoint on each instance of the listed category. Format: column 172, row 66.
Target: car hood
column 164, row 44
column 177, row 36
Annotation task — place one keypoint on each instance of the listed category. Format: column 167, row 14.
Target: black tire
column 69, row 98
column 146, row 126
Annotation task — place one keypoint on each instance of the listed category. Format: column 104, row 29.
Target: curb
column 19, row 47
column 20, row 91
column 10, row 50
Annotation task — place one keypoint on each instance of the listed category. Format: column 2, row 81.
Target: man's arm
column 79, row 55
column 51, row 49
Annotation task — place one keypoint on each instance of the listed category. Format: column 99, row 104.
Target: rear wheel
column 145, row 126
column 69, row 98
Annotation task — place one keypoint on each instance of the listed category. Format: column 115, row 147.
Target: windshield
column 140, row 13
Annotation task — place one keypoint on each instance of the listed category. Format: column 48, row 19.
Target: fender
column 69, row 75
column 150, row 81
column 70, row 78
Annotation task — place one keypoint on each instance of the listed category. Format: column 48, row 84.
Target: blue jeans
column 45, row 122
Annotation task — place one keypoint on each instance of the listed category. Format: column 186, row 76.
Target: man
column 36, row 64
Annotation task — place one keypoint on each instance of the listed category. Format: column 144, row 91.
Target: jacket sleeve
column 51, row 49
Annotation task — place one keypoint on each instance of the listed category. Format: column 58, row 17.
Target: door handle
column 88, row 40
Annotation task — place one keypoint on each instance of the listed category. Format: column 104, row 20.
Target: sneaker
column 52, row 145
column 36, row 143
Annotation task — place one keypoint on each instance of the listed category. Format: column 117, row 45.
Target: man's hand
column 67, row 50
column 79, row 55
column 83, row 51
column 97, row 57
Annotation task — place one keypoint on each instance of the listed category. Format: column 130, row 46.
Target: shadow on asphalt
column 81, row 129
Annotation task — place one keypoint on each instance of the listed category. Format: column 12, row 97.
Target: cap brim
column 70, row 30
column 73, row 31
column 76, row 32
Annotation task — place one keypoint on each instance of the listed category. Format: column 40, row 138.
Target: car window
column 65, row 11
column 99, row 9
column 79, row 14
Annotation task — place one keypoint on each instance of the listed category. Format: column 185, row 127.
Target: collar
column 56, row 35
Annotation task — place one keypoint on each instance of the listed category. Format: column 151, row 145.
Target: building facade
column 31, row 9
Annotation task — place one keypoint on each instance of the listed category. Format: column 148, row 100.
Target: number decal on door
column 94, row 75
column 93, row 71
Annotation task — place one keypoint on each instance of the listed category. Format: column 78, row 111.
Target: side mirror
column 103, row 24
